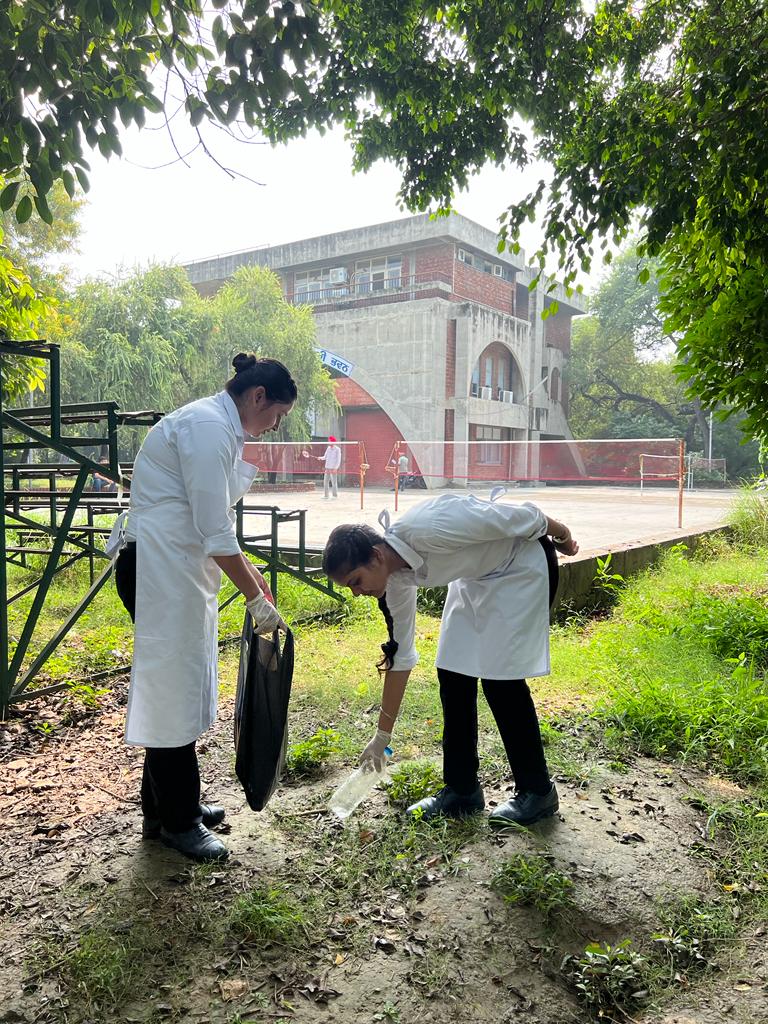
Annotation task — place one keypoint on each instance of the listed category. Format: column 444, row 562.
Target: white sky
column 135, row 216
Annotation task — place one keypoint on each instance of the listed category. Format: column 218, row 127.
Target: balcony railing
column 393, row 289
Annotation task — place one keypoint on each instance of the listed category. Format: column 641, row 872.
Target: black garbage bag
column 261, row 711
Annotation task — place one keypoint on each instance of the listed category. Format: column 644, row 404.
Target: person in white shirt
column 501, row 570
column 174, row 542
column 331, row 458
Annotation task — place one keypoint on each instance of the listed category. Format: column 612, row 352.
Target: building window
column 488, row 372
column 315, row 285
column 464, row 256
column 475, row 388
column 488, row 454
column 379, row 274
column 554, row 386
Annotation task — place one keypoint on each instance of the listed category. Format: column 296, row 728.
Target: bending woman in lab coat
column 176, row 539
column 501, row 570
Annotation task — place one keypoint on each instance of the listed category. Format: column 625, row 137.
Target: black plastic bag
column 261, row 711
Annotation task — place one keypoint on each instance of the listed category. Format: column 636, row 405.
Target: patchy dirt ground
column 433, row 942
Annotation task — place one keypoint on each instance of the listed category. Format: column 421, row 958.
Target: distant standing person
column 331, row 458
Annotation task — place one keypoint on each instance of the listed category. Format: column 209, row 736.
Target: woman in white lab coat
column 175, row 540
column 501, row 570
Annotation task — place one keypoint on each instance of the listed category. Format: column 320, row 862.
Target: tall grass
column 749, row 517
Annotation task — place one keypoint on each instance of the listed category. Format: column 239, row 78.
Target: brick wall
column 557, row 331
column 378, row 433
column 449, row 430
column 434, row 262
column 522, row 295
column 349, row 394
column 450, row 360
column 476, row 285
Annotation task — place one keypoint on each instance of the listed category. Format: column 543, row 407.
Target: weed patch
column 306, row 759
column 533, row 881
column 268, row 915
column 412, row 781
column 608, row 979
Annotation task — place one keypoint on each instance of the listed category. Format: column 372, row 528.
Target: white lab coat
column 495, row 622
column 187, row 477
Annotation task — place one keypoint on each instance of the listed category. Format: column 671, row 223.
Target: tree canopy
column 651, row 113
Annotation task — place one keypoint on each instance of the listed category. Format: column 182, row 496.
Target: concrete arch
column 516, row 381
column 384, row 401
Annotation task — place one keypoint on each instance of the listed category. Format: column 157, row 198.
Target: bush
column 308, row 757
column 731, row 627
column 412, row 781
column 721, row 722
column 608, row 978
column 749, row 517
column 533, row 880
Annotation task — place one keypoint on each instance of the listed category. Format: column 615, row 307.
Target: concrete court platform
column 600, row 518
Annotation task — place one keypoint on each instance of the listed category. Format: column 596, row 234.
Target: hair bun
column 243, row 361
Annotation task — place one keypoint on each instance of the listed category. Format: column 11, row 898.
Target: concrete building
column 433, row 336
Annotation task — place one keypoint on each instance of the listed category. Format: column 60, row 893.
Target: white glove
column 374, row 755
column 266, row 618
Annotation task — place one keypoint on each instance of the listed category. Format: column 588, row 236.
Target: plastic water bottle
column 356, row 788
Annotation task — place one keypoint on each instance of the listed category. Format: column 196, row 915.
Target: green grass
column 533, row 881
column 269, row 915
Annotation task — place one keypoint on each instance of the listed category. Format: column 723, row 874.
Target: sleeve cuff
column 221, row 544
column 404, row 664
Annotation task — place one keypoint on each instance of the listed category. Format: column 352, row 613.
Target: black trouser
column 170, row 785
column 512, row 706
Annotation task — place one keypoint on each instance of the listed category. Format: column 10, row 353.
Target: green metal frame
column 73, row 541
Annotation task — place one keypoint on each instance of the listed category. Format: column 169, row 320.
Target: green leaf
column 8, row 195
column 24, row 210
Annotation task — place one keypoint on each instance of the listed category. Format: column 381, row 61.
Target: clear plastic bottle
column 356, row 788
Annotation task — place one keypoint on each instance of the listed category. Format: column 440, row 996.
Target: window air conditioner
column 508, row 396
column 338, row 275
column 486, row 393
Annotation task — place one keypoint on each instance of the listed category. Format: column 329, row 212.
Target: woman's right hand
column 266, row 618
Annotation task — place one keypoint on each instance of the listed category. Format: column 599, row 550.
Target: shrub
column 412, row 781
column 720, row 722
column 533, row 880
column 308, row 757
column 608, row 978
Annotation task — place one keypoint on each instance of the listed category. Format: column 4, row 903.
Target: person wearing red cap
column 331, row 459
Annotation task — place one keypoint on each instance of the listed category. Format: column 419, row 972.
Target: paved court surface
column 600, row 518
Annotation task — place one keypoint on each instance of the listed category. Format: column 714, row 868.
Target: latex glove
column 266, row 618
column 374, row 753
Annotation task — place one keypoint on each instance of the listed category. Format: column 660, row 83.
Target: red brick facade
column 476, row 285
column 349, row 394
column 557, row 331
column 378, row 433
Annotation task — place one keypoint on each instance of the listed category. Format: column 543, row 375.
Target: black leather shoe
column 525, row 809
column 450, row 804
column 213, row 815
column 197, row 843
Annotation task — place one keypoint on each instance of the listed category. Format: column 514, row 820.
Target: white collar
column 413, row 558
column 234, row 416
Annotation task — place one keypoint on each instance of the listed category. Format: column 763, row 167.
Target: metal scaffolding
column 60, row 522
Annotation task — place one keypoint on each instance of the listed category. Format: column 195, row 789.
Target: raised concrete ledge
column 389, row 236
column 577, row 589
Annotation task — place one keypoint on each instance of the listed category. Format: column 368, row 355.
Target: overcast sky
column 136, row 215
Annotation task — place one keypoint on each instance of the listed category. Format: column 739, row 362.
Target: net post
column 641, row 474
column 680, row 482
column 363, row 466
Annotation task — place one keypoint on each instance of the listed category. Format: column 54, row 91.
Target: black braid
column 390, row 647
column 349, row 546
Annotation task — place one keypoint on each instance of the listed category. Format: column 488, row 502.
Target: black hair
column 349, row 546
column 270, row 374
